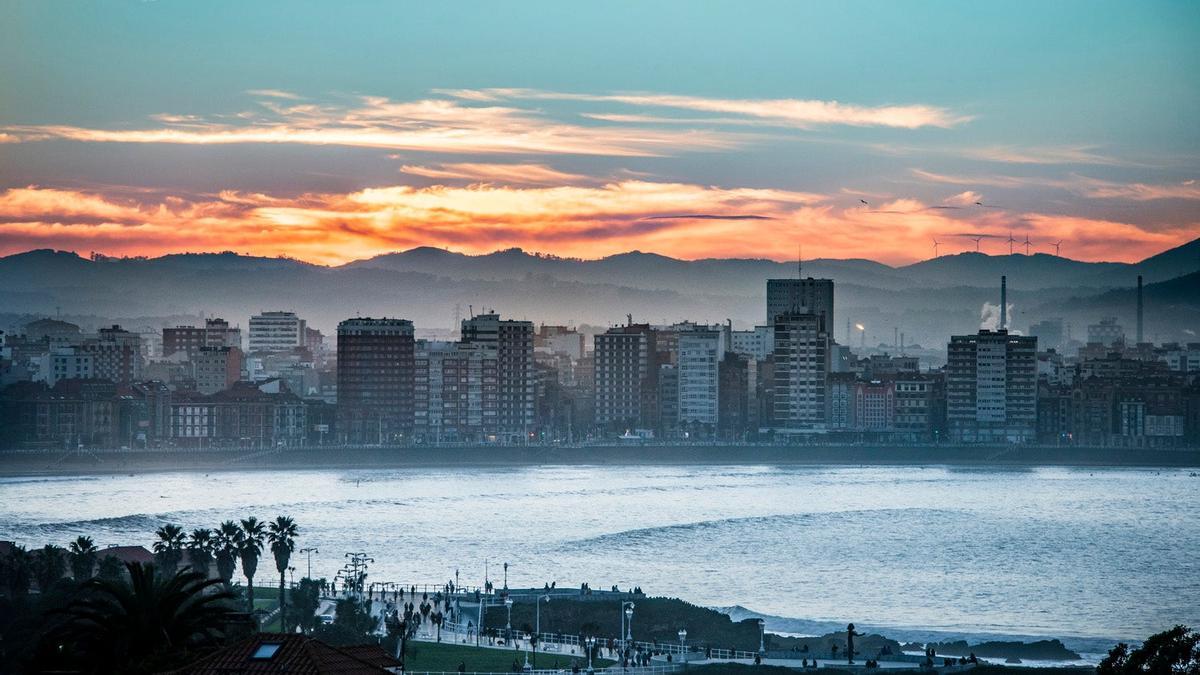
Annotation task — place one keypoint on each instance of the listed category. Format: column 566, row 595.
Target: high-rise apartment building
column 375, row 376
column 190, row 339
column 801, row 370
column 626, row 374
column 991, row 388
column 516, row 386
column 454, row 392
column 276, row 332
column 698, row 364
column 800, row 296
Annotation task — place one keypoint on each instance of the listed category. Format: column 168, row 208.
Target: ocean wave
column 677, row 530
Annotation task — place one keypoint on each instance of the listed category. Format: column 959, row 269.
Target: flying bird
column 864, row 202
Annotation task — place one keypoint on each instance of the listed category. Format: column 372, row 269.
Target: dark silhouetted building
column 376, row 365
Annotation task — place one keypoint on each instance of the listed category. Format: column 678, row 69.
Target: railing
column 558, row 642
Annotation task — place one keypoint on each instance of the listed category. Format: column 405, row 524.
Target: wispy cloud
column 440, row 126
column 803, row 113
column 1081, row 154
column 1083, row 186
column 506, row 174
column 274, row 93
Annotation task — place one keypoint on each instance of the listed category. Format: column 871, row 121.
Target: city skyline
column 331, row 136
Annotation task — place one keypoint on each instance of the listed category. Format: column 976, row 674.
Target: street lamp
column 762, row 636
column 538, row 620
column 309, row 551
column 627, row 617
column 682, row 643
column 506, row 576
column 591, row 643
column 508, row 625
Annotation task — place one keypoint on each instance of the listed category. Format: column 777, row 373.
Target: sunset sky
column 693, row 129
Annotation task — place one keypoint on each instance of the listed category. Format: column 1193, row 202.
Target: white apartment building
column 276, row 332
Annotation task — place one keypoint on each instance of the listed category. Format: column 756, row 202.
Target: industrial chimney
column 1139, row 311
column 1003, row 303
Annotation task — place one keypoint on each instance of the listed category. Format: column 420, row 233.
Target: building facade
column 991, row 388
column 801, row 369
column 800, row 296
column 375, row 375
column 276, row 332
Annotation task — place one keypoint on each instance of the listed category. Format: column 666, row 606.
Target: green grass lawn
column 445, row 657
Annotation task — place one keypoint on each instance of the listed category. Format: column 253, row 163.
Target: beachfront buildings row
column 392, row 387
column 507, row 381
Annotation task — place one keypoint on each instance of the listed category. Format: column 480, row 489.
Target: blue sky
column 1071, row 120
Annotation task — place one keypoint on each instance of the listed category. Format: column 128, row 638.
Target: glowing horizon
column 246, row 142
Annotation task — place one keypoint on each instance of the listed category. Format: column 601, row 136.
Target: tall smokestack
column 1003, row 303
column 1139, row 324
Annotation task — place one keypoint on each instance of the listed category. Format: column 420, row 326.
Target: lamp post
column 508, row 623
column 762, row 627
column 682, row 645
column 309, row 551
column 538, row 620
column 506, row 576
column 627, row 618
column 591, row 643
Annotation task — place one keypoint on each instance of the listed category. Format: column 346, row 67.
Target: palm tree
column 200, row 550
column 48, row 566
column 168, row 550
column 83, row 558
column 148, row 624
column 250, row 546
column 225, row 548
column 17, row 571
column 281, row 534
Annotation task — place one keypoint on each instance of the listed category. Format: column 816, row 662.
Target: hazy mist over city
column 653, row 338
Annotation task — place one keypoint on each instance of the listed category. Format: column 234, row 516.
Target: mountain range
column 927, row 300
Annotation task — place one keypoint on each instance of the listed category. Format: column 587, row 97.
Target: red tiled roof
column 296, row 655
column 126, row 554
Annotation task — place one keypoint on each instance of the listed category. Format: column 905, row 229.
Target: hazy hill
column 926, row 300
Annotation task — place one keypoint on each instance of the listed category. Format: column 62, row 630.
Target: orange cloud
column 508, row 174
column 678, row 219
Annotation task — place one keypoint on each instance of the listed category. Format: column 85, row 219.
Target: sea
column 1087, row 555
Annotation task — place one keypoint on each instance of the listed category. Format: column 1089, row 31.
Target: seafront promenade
column 109, row 461
column 469, row 607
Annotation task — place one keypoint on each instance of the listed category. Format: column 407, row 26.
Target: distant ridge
column 928, row 300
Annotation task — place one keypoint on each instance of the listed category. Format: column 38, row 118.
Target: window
column 266, row 650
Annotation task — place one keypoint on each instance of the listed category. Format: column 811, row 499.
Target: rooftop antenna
column 1003, row 302
column 1139, row 310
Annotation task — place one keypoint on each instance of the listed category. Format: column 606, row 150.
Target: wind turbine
column 1011, row 241
column 1056, row 245
column 1027, row 244
column 977, row 239
column 936, row 244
